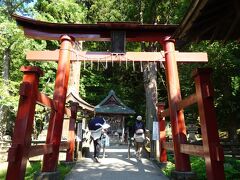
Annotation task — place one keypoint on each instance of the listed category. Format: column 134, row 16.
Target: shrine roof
column 113, row 105
column 72, row 96
column 211, row 20
column 94, row 32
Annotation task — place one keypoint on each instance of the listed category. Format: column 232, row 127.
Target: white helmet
column 139, row 118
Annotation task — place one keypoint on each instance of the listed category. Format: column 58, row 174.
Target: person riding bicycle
column 139, row 135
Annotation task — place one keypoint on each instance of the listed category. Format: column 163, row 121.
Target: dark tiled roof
column 72, row 96
column 113, row 105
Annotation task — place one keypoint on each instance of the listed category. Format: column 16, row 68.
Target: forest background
column 134, row 87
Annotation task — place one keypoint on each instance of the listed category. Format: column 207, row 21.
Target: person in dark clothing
column 96, row 136
column 98, row 144
column 97, row 148
column 139, row 124
column 139, row 136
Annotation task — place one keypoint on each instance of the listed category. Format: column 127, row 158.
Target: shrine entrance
column 115, row 112
column 21, row 148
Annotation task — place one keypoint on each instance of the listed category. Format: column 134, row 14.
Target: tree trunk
column 6, row 64
column 150, row 85
column 2, row 127
column 75, row 73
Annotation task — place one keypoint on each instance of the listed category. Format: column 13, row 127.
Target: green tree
column 224, row 59
column 13, row 46
column 59, row 11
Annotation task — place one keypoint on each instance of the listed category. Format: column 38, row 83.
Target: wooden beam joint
column 40, row 150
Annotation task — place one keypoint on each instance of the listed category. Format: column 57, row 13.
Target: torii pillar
column 182, row 162
column 50, row 161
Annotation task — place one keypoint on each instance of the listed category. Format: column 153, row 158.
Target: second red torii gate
column 68, row 33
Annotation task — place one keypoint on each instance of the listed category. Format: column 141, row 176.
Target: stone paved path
column 116, row 166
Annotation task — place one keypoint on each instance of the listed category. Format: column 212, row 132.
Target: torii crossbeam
column 109, row 57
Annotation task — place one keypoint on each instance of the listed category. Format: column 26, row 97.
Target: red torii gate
column 67, row 33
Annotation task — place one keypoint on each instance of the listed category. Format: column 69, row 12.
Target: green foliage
column 134, row 10
column 47, row 81
column 125, row 83
column 8, row 105
column 224, row 60
column 199, row 167
column 163, row 12
column 168, row 168
column 9, row 94
column 35, row 167
column 3, row 174
column 11, row 37
column 60, row 11
column 41, row 119
column 12, row 41
column 64, row 170
column 105, row 10
column 235, row 84
column 10, row 7
column 231, row 167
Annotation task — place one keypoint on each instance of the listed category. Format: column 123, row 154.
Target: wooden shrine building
column 114, row 111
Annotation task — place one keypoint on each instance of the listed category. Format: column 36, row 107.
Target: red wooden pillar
column 213, row 151
column 71, row 133
column 162, row 128
column 21, row 142
column 182, row 162
column 50, row 161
